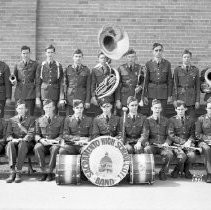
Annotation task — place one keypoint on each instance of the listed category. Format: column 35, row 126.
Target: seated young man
column 48, row 130
column 203, row 134
column 77, row 130
column 133, row 127
column 20, row 138
column 155, row 140
column 106, row 123
column 182, row 133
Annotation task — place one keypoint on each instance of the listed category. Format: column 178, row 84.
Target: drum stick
column 141, row 103
column 124, row 109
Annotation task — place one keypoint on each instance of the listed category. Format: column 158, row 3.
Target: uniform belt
column 158, row 83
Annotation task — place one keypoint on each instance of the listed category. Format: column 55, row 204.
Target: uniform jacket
column 202, row 80
column 154, row 132
column 158, row 79
column 203, row 128
column 26, row 80
column 2, row 131
column 50, row 81
column 77, row 84
column 128, row 82
column 99, row 73
column 54, row 130
column 133, row 129
column 101, row 127
column 186, row 85
column 14, row 130
column 178, row 132
column 5, row 84
column 72, row 128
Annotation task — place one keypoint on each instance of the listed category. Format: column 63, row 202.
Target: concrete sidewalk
column 173, row 194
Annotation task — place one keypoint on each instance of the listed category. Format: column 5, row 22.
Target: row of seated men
column 53, row 134
column 47, row 80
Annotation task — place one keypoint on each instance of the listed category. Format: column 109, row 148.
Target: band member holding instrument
column 25, row 73
column 187, row 84
column 77, row 130
column 5, row 87
column 133, row 127
column 20, row 138
column 49, row 131
column 155, row 137
column 203, row 134
column 158, row 78
column 77, row 82
column 99, row 73
column 106, row 123
column 129, row 85
column 49, row 77
column 182, row 133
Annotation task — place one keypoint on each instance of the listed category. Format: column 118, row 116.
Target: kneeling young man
column 155, row 137
column 133, row 127
column 49, row 128
column 20, row 138
column 77, row 130
column 182, row 133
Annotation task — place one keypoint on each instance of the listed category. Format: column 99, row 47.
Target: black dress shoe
column 43, row 177
column 162, row 176
column 50, row 177
column 208, row 178
column 18, row 177
column 188, row 175
column 175, row 173
column 11, row 178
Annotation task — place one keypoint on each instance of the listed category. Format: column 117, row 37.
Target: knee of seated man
column 191, row 156
column 148, row 149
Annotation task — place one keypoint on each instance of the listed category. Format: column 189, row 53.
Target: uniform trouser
column 166, row 154
column 2, row 105
column 1, row 148
column 185, row 159
column 131, row 150
column 70, row 150
column 40, row 151
column 163, row 103
column 191, row 111
column 18, row 151
column 206, row 150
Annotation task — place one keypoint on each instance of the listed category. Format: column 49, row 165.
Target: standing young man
column 25, row 72
column 20, row 138
column 49, row 131
column 155, row 137
column 77, row 82
column 49, row 78
column 182, row 133
column 158, row 81
column 187, row 84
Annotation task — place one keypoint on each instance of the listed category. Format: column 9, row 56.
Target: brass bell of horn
column 206, row 85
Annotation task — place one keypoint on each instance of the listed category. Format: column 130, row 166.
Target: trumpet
column 13, row 79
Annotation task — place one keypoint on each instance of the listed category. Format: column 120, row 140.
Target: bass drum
column 68, row 169
column 105, row 161
column 142, row 169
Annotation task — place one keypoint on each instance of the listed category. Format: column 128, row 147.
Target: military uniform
column 19, row 150
column 49, row 79
column 77, row 82
column 74, row 128
column 187, row 87
column 26, row 83
column 5, row 86
column 2, row 135
column 181, row 130
column 158, row 82
column 99, row 73
column 202, row 80
column 103, row 126
column 128, row 82
column 156, row 132
column 203, row 133
column 133, row 131
column 48, row 130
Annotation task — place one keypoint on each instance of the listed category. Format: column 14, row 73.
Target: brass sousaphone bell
column 206, row 85
column 114, row 43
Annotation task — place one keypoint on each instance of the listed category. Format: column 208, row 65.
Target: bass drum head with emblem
column 105, row 161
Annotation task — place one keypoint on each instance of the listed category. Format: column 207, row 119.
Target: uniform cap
column 20, row 102
column 130, row 51
column 155, row 101
column 105, row 100
column 157, row 45
column 78, row 51
column 50, row 47
column 76, row 102
column 47, row 101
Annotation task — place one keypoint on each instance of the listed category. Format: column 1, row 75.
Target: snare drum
column 142, row 169
column 68, row 169
column 105, row 161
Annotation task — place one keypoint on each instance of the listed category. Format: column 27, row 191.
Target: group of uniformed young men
column 48, row 87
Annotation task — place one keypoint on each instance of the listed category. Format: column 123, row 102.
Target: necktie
column 182, row 120
column 21, row 119
column 187, row 69
column 79, row 121
column 107, row 119
column 131, row 68
column 49, row 120
column 134, row 118
column 157, row 120
column 25, row 64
